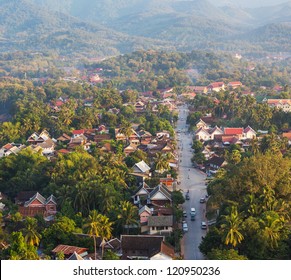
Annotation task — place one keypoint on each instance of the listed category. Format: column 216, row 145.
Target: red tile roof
column 59, row 103
column 63, row 151
column 68, row 250
column 236, row 83
column 8, row 146
column 80, row 131
column 216, row 85
column 233, row 131
column 287, row 135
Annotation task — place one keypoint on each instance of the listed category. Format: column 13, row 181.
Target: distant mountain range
column 109, row 27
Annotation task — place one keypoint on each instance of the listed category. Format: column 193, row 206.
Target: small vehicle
column 185, row 227
column 202, row 200
column 184, row 214
column 192, row 214
column 203, row 225
column 187, row 196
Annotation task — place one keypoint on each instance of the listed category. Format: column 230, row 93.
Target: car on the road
column 185, row 226
column 187, row 196
column 203, row 225
column 184, row 214
column 202, row 200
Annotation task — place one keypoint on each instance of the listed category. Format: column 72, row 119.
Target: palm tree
column 92, row 227
column 126, row 129
column 231, row 227
column 98, row 225
column 272, row 227
column 161, row 162
column 105, row 230
column 81, row 202
column 31, row 236
column 128, row 214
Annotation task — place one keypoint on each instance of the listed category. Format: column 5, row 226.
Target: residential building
column 144, row 247
column 281, row 104
column 30, row 205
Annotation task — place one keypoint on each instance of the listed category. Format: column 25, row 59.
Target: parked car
column 187, row 196
column 185, row 227
column 185, row 214
column 203, row 225
column 202, row 200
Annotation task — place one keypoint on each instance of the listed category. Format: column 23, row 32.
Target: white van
column 193, row 211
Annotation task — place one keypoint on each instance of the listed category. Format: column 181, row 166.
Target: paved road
column 194, row 181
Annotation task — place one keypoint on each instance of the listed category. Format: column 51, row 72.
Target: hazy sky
column 248, row 3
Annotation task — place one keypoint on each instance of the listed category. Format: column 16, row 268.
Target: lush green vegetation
column 253, row 199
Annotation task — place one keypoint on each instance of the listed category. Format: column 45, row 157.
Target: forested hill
column 28, row 27
column 107, row 27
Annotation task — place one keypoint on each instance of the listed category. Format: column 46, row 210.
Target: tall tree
column 127, row 215
column 31, row 236
column 231, row 226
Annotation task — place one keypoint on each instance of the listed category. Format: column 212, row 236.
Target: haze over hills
column 247, row 3
column 25, row 26
column 110, row 27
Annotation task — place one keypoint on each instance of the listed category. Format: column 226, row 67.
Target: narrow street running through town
column 193, row 180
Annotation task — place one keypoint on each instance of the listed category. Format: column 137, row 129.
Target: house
column 136, row 247
column 187, row 95
column 145, row 137
column 249, row 133
column 234, row 131
column 167, row 252
column 163, row 134
column 144, row 213
column 134, row 138
column 113, row 245
column 202, row 124
column 207, row 153
column 214, row 131
column 78, row 132
column 161, row 225
column 141, row 168
column 47, row 147
column 282, row 104
column 10, row 148
column 79, row 141
column 202, row 134
column 129, row 149
column 36, row 204
column 234, row 85
column 75, row 257
column 160, row 196
column 169, row 182
column 99, row 138
column 288, row 136
column 139, row 106
column 199, row 89
column 64, row 138
column 214, row 163
column 63, row 151
column 142, row 193
column 69, row 251
column 216, row 86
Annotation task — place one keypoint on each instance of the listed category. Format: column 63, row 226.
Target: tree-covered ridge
column 151, row 70
column 253, row 199
column 26, row 27
column 109, row 28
